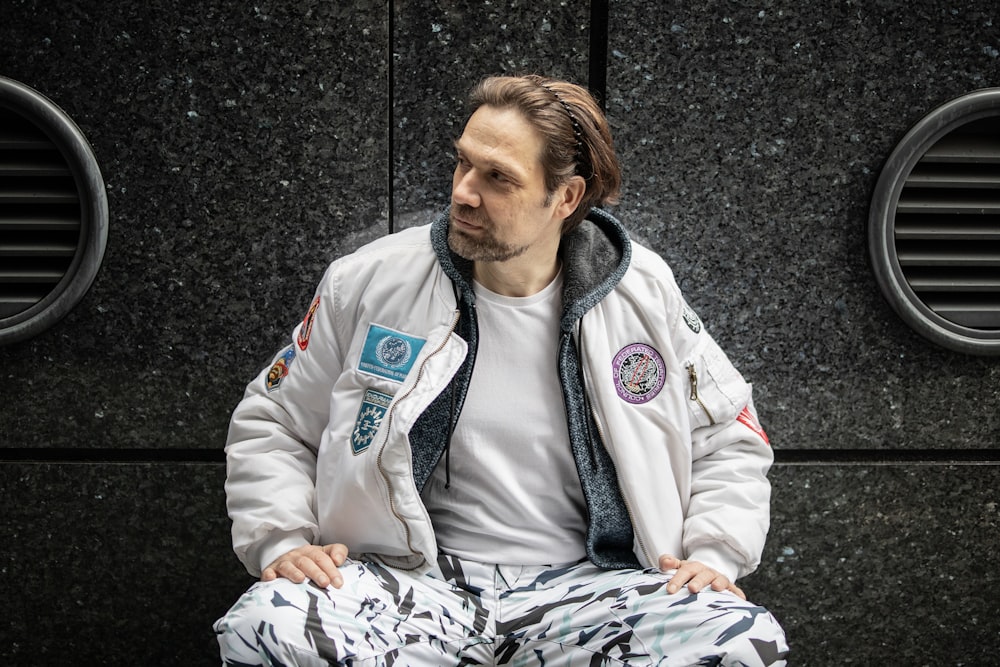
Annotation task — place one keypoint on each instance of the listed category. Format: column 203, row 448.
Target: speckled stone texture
column 440, row 51
column 114, row 564
column 243, row 147
column 751, row 136
column 884, row 564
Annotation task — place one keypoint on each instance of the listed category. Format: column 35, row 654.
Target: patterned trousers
column 469, row 613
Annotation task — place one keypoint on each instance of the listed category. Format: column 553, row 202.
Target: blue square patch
column 389, row 354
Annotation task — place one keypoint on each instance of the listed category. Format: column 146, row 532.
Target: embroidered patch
column 370, row 414
column 691, row 319
column 279, row 371
column 307, row 325
column 389, row 354
column 749, row 419
column 639, row 373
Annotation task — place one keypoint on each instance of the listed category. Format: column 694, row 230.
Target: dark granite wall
column 245, row 146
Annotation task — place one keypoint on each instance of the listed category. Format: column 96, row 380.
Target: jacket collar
column 595, row 256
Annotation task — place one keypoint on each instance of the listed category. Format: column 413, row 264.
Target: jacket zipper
column 693, row 376
column 388, row 426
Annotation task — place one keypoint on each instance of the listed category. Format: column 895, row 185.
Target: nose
column 464, row 188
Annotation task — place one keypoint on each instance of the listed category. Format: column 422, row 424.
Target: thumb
column 669, row 562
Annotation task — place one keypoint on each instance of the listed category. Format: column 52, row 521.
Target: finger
column 316, row 566
column 721, row 583
column 336, row 556
column 337, row 552
column 699, row 579
column 684, row 574
column 708, row 577
column 288, row 570
column 268, row 574
column 329, row 572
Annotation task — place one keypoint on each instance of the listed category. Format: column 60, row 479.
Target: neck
column 516, row 278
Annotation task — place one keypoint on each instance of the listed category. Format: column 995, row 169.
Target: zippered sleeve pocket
column 716, row 391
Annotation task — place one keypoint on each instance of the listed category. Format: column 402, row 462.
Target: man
column 503, row 438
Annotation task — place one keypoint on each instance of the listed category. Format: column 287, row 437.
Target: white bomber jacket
column 333, row 442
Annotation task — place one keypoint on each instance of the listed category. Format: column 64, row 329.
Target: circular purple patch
column 639, row 373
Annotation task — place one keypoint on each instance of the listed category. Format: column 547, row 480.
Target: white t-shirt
column 515, row 495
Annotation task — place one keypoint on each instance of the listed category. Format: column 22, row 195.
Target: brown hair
column 576, row 134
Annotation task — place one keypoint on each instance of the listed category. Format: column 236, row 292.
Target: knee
column 268, row 619
column 755, row 641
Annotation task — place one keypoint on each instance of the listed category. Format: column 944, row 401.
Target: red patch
column 307, row 325
column 749, row 420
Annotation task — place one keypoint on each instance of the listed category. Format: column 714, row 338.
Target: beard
column 482, row 247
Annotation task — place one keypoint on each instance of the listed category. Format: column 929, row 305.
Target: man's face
column 500, row 209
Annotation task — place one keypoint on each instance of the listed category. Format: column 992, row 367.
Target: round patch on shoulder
column 691, row 319
column 639, row 373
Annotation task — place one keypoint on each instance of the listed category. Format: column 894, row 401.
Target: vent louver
column 53, row 213
column 934, row 225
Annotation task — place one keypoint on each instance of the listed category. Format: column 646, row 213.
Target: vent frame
column 889, row 272
column 78, row 158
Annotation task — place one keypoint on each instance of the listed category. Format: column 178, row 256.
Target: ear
column 569, row 195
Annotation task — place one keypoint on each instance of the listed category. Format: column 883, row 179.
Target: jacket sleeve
column 728, row 514
column 274, row 437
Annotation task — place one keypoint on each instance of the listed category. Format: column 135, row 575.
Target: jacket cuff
column 719, row 557
column 277, row 543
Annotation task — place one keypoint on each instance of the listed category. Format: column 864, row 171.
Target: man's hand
column 317, row 563
column 696, row 575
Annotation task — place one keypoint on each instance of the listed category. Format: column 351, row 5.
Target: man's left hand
column 696, row 575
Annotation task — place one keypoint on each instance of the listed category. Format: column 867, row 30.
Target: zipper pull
column 693, row 377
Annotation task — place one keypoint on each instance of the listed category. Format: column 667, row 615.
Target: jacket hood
column 595, row 256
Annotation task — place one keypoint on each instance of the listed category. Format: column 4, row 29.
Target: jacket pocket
column 716, row 390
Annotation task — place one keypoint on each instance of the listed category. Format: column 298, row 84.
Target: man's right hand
column 317, row 563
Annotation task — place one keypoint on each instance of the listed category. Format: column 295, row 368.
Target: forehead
column 502, row 138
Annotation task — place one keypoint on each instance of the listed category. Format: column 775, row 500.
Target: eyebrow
column 508, row 169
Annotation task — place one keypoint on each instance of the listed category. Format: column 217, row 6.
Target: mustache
column 469, row 214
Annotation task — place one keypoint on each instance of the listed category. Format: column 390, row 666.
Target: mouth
column 464, row 224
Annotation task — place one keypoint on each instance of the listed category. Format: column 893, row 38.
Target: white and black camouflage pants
column 469, row 613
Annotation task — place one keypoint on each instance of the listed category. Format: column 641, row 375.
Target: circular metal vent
column 934, row 225
column 53, row 213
